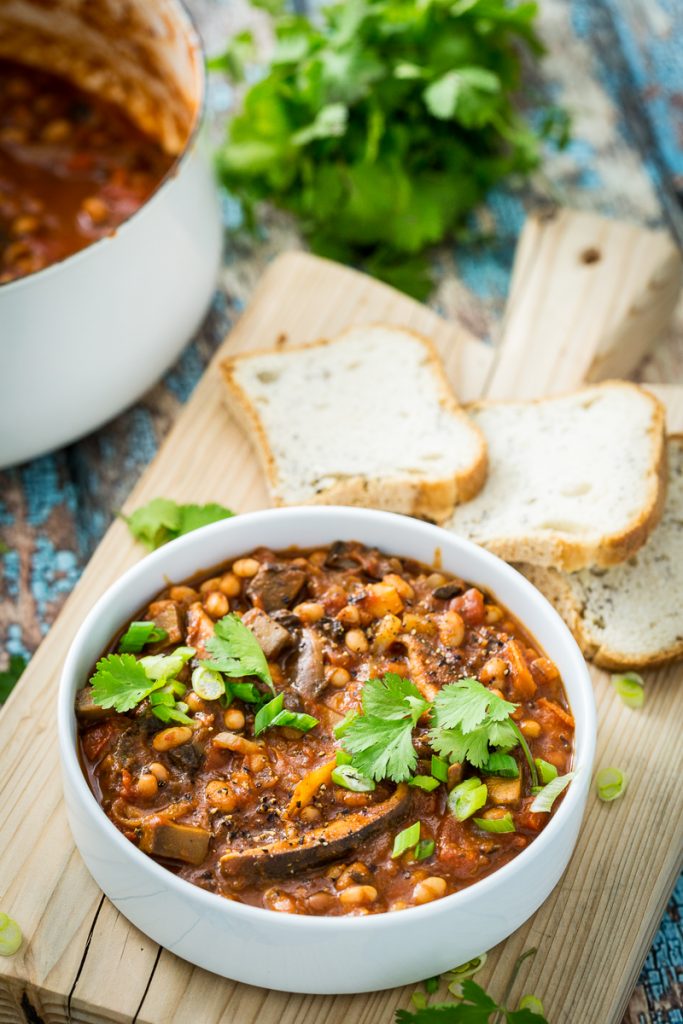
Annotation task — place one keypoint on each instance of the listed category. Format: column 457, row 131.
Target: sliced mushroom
column 276, row 585
column 431, row 667
column 168, row 615
column 272, row 637
column 188, row 843
column 86, row 708
column 308, row 668
column 329, row 842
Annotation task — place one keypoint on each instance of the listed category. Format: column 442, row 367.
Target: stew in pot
column 72, row 168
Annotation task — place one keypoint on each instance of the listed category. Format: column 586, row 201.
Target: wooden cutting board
column 588, row 295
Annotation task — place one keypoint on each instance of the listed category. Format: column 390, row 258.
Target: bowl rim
column 191, row 32
column 73, row 776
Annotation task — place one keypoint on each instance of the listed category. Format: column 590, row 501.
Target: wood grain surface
column 83, row 962
column 617, row 65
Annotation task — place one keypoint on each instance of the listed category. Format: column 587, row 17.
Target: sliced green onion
column 439, row 768
column 631, row 689
column 546, row 771
column 419, row 1000
column 531, row 1003
column 431, row 985
column 246, row 692
column 172, row 714
column 162, row 698
column 496, row 825
column 406, row 840
column 207, row 683
column 426, row 782
column 340, row 729
column 175, row 687
column 467, row 798
column 295, row 720
column 463, row 972
column 343, row 757
column 266, row 715
column 138, row 634
column 503, row 765
column 610, row 784
column 348, row 777
column 10, row 935
column 546, row 798
column 163, row 666
column 425, row 848
column 525, row 750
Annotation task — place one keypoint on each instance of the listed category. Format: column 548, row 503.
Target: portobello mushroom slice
column 302, row 850
column 271, row 636
column 87, row 710
column 188, row 843
column 168, row 615
column 276, row 585
column 308, row 678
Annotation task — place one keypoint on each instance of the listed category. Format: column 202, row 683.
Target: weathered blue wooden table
column 618, row 65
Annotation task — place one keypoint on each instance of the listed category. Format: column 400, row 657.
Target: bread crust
column 432, row 498
column 558, row 589
column 571, row 555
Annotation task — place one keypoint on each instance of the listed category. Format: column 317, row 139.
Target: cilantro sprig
column 236, row 652
column 122, row 682
column 162, row 520
column 381, row 739
column 382, row 124
column 476, row 1006
column 468, row 723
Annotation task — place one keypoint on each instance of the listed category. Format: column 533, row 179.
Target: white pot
column 82, row 339
column 292, row 952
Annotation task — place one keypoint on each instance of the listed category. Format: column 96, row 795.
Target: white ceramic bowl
column 85, row 337
column 316, row 954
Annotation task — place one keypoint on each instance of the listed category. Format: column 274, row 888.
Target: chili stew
column 327, row 732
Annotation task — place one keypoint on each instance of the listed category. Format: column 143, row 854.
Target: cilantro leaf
column 475, row 1007
column 393, row 697
column 382, row 749
column 468, row 704
column 10, row 676
column 120, row 682
column 194, row 516
column 455, row 745
column 162, row 520
column 155, row 523
column 467, row 718
column 236, row 652
column 381, row 739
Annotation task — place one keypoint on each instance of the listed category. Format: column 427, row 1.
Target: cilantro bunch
column 383, row 124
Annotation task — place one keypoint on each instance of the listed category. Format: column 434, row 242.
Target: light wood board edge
column 589, row 298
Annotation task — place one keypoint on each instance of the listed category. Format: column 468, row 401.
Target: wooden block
column 84, row 962
column 588, row 300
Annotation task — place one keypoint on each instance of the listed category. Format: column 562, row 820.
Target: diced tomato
column 96, row 739
column 470, row 605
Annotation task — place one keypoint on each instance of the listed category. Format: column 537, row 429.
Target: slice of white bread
column 367, row 418
column 629, row 616
column 574, row 481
